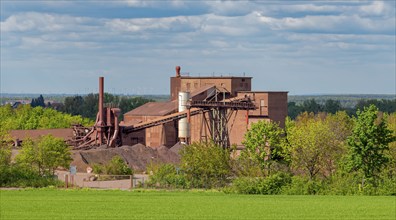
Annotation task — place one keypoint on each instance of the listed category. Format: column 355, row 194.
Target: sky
column 304, row 47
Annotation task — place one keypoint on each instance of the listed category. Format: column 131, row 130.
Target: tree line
column 333, row 106
column 87, row 106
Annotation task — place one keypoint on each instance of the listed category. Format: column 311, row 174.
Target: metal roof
column 155, row 109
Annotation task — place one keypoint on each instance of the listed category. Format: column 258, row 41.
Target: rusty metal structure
column 106, row 130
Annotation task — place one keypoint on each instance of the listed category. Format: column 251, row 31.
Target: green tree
column 74, row 105
column 117, row 166
column 313, row 146
column 369, row 143
column 46, row 155
column 5, row 149
column 206, row 164
column 311, row 105
column 391, row 118
column 293, row 110
column 38, row 101
column 263, row 143
column 28, row 155
column 332, row 106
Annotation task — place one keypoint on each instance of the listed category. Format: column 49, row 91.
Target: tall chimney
column 101, row 117
column 178, row 71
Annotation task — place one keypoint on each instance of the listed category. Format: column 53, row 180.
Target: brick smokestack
column 101, row 116
column 178, row 71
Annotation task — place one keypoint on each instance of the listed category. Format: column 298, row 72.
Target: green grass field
column 107, row 204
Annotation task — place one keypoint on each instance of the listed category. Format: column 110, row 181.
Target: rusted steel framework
column 219, row 115
column 106, row 130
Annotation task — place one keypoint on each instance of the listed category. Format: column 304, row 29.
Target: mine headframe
column 220, row 109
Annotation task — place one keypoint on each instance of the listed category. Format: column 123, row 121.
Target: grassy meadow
column 116, row 204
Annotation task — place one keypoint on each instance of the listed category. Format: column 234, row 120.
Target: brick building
column 269, row 105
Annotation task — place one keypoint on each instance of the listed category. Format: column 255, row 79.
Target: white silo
column 184, row 126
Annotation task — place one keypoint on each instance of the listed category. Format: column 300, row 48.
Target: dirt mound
column 177, row 147
column 165, row 154
column 79, row 162
column 137, row 156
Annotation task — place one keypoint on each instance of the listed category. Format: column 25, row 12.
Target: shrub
column 206, row 165
column 244, row 166
column 116, row 166
column 268, row 186
column 19, row 176
column 303, row 186
column 165, row 176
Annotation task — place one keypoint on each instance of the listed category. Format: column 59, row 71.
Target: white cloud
column 154, row 24
column 331, row 24
column 376, row 8
column 154, row 4
column 33, row 21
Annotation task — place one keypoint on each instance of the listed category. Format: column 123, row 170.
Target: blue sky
column 304, row 47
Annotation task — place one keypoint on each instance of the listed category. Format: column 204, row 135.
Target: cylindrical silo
column 184, row 127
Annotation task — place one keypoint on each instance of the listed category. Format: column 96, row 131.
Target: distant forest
column 333, row 106
column 87, row 105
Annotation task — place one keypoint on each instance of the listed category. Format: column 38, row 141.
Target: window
column 262, row 102
column 262, row 106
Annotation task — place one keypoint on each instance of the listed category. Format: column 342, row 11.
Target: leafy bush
column 19, row 176
column 303, row 186
column 262, row 185
column 243, row 166
column 206, row 165
column 166, row 176
column 116, row 166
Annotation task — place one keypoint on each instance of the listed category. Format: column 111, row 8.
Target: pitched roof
column 201, row 90
column 155, row 109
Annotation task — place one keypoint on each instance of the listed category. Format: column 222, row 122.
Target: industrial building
column 214, row 108
column 219, row 108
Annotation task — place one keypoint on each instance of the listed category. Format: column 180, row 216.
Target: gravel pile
column 138, row 156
